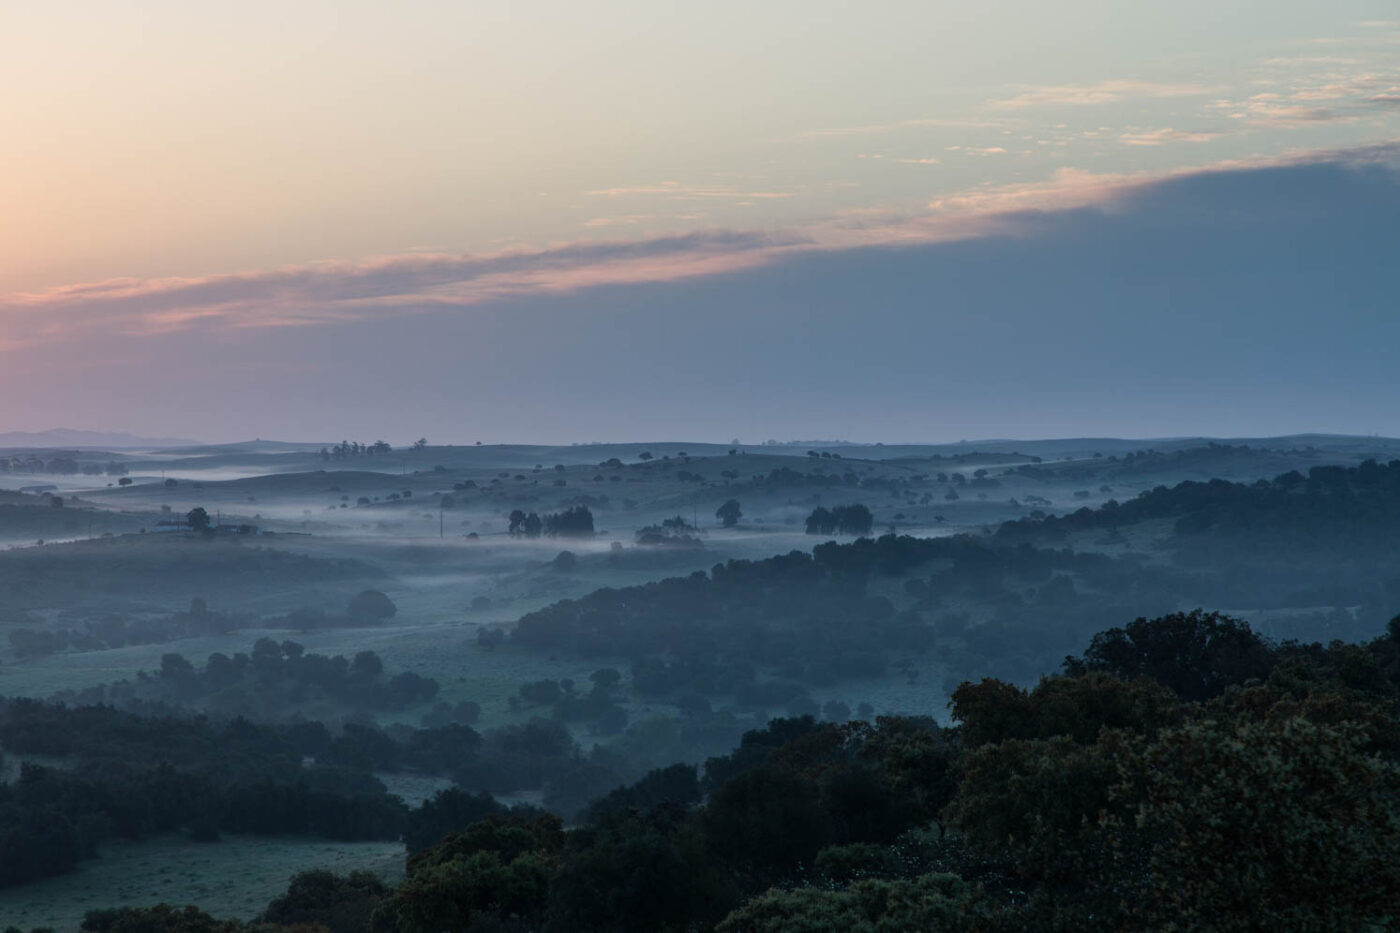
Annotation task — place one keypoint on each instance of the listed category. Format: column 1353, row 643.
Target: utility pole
column 439, row 521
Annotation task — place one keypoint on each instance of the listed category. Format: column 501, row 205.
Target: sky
column 559, row 222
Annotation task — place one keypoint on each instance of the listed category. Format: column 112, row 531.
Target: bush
column 370, row 607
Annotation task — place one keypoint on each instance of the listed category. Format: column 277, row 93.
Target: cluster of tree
column 64, row 464
column 268, row 682
column 367, row 607
column 841, row 519
column 574, row 522
column 1182, row 773
column 721, row 633
column 999, row 604
column 597, row 706
column 1212, row 459
column 1262, row 797
column 50, row 820
column 1327, row 538
column 779, row 477
column 130, row 776
column 540, row 755
column 110, row 630
column 671, row 532
column 347, row 449
column 206, row 777
column 132, row 568
column 814, row 612
column 759, row 631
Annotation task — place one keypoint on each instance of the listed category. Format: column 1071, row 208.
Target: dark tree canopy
column 370, row 607
column 842, row 519
column 729, row 513
column 1196, row 654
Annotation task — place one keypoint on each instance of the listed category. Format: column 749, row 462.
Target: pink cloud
column 327, row 292
column 1103, row 92
column 1166, row 135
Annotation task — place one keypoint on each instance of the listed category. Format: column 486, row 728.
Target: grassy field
column 235, row 877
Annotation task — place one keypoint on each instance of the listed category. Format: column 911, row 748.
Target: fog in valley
column 431, row 630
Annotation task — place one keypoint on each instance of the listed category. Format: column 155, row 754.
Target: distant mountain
column 67, row 437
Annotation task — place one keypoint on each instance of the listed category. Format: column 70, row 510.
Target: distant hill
column 68, row 437
column 258, row 446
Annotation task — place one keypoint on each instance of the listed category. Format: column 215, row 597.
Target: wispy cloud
column 625, row 220
column 1104, row 92
column 1166, row 135
column 324, row 293
column 328, row 291
column 1310, row 90
column 1296, row 60
column 1271, row 109
column 678, row 191
column 895, row 125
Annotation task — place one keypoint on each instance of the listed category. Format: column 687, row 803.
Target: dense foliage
column 1327, row 538
column 272, row 680
column 841, row 519
column 1203, row 778
column 1317, row 550
column 1182, row 774
column 764, row 631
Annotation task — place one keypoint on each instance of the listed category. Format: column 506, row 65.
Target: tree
column 1286, row 824
column 1196, row 654
column 197, row 518
column 639, row 873
column 821, row 521
column 605, row 680
column 573, row 522
column 844, row 519
column 370, row 606
column 496, row 870
column 766, row 820
column 451, row 810
column 542, row 692
column 1037, row 805
column 159, row 919
column 339, row 903
column 729, row 513
column 853, row 519
column 367, row 663
column 939, row 902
